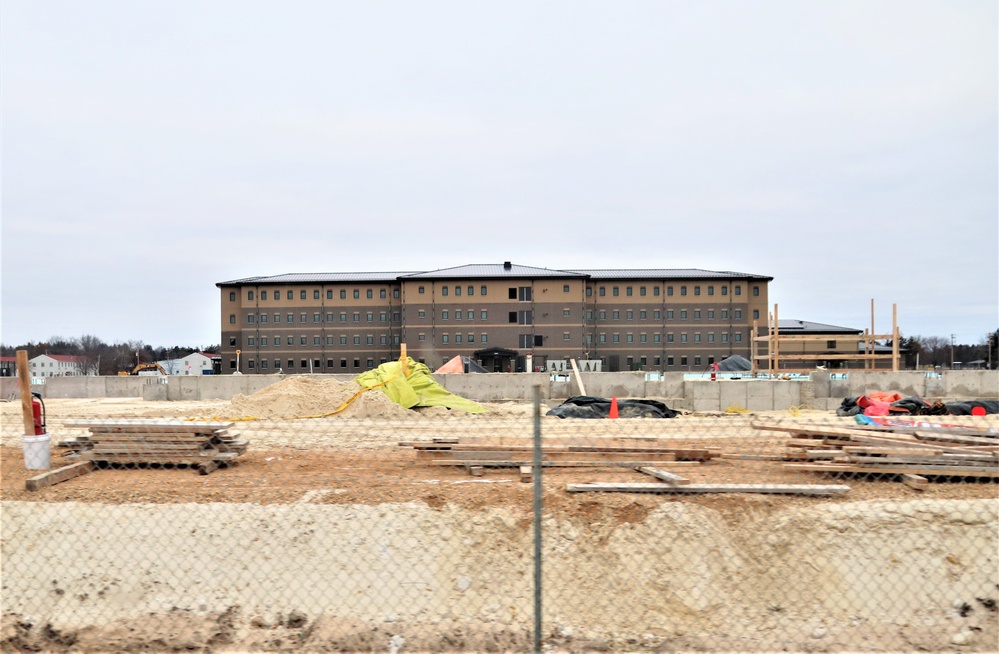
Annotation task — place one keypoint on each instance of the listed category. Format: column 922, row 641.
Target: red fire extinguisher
column 38, row 411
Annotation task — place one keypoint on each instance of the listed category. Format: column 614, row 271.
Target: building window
column 616, row 315
column 343, row 340
column 683, row 338
column 683, row 290
column 737, row 337
column 565, row 288
column 655, row 291
column 263, row 341
column 724, row 337
column 683, row 361
column 443, row 291
column 369, row 316
column 482, row 291
column 383, row 340
column 343, row 363
column 316, row 317
column 457, row 315
column 303, row 340
column 421, row 290
column 643, row 338
column 697, row 361
column 566, row 312
column 657, row 337
column 683, row 314
column 756, row 314
column 329, row 317
column 471, row 338
column 249, row 341
column 737, row 313
column 421, row 314
column 301, row 294
column 232, row 341
column 457, row 290
column 602, row 314
column 263, row 363
column 483, row 315
column 329, row 363
column 756, row 291
column 381, row 294
column 738, row 290
column 232, row 319
column 711, row 338
column 615, row 291
column 565, row 336
column 711, row 314
column 697, row 337
column 357, row 293
column 421, row 337
column 382, row 317
column 316, row 340
column 724, row 290
column 630, row 315
column 357, row 340
column 669, row 290
column 263, row 296
column 669, row 361
column 630, row 338
column 330, row 341
column 589, row 291
column 343, row 294
column 249, row 364
column 343, row 317
column 251, row 318
column 669, row 338
column 445, row 338
column 315, row 294
column 370, row 340
column 329, row 296
column 617, row 338
column 697, row 290
column 445, row 315
column 603, row 291
column 249, row 295
column 232, row 296
column 641, row 291
column 831, row 345
column 357, row 316
column 457, row 338
column 697, row 314
column 657, row 314
column 602, row 338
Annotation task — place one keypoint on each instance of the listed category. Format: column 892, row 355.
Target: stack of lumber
column 918, row 451
column 512, row 453
column 206, row 445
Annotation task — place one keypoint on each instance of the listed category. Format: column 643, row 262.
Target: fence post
column 537, row 518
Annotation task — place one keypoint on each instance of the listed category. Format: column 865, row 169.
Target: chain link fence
column 181, row 526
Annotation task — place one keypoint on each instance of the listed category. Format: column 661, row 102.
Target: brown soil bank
column 313, row 576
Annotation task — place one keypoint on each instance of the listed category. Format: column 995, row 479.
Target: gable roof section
column 491, row 271
column 316, row 278
column 807, row 327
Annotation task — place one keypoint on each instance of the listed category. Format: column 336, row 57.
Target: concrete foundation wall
column 823, row 390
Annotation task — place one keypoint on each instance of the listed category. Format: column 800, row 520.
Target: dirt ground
column 359, row 458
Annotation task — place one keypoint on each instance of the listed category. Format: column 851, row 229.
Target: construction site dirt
column 366, row 458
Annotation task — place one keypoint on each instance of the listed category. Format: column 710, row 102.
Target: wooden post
column 776, row 341
column 24, row 379
column 579, row 380
column 754, row 349
column 894, row 337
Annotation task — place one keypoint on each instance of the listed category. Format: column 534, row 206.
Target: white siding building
column 195, row 363
column 55, row 365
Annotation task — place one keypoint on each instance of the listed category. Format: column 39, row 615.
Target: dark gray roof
column 317, row 278
column 668, row 273
column 492, row 271
column 791, row 326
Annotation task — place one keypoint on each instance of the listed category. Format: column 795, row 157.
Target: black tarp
column 734, row 363
column 585, row 406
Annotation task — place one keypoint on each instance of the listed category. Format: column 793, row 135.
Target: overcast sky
column 152, row 149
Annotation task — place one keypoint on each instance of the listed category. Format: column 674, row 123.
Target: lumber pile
column 204, row 445
column 915, row 451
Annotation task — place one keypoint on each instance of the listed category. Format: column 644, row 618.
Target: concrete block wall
column 823, row 391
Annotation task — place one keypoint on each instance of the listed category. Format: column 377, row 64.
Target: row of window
column 629, row 291
column 303, row 294
column 313, row 365
column 254, row 318
column 516, row 317
column 521, row 293
column 723, row 337
column 276, row 341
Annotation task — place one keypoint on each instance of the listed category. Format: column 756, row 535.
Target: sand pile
column 300, row 397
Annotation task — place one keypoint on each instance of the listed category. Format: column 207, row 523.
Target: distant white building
column 195, row 363
column 56, row 365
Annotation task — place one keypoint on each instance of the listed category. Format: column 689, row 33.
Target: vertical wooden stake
column 24, row 381
column 894, row 337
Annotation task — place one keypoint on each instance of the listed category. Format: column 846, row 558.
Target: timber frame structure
column 771, row 360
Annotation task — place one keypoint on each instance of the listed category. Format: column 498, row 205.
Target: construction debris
column 205, row 445
column 638, row 487
column 899, row 449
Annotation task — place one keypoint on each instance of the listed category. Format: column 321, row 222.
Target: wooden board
column 662, row 475
column 780, row 489
column 898, row 469
column 58, row 475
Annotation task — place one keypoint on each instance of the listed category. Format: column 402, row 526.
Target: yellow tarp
column 418, row 388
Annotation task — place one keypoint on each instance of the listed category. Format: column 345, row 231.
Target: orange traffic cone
column 613, row 408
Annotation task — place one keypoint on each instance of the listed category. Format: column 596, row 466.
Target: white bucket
column 37, row 454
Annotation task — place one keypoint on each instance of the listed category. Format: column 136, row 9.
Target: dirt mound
column 300, row 397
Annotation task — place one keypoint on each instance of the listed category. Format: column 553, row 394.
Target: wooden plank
column 139, row 425
column 915, row 481
column 662, row 475
column 940, row 471
column 957, row 439
column 560, row 464
column 526, row 474
column 778, row 489
column 58, row 475
column 487, row 455
column 476, row 471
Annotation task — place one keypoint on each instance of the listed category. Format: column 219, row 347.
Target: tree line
column 99, row 358
column 933, row 351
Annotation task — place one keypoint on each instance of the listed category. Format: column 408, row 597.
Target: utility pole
column 951, row 351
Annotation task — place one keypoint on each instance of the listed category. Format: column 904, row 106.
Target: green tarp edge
column 419, row 389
